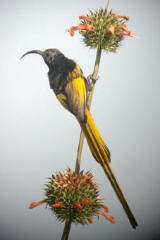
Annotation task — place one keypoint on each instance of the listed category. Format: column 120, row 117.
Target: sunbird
column 71, row 89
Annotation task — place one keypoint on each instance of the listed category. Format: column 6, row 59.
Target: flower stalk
column 66, row 230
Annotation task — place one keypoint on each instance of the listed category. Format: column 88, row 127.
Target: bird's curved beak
column 33, row 51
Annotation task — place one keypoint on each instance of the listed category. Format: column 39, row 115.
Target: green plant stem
column 107, row 6
column 66, row 230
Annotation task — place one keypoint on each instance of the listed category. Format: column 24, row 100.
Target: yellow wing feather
column 63, row 100
column 76, row 97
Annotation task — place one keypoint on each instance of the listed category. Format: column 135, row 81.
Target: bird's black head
column 48, row 55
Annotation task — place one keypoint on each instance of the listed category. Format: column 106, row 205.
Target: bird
column 71, row 88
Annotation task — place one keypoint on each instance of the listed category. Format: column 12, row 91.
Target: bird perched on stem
column 71, row 88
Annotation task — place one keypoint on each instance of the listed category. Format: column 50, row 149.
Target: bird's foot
column 90, row 81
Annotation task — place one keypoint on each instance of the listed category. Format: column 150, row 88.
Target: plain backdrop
column 39, row 137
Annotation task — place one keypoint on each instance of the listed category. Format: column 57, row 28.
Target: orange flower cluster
column 99, row 212
column 79, row 206
column 89, row 27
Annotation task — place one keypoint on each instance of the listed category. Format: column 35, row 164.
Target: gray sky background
column 38, row 137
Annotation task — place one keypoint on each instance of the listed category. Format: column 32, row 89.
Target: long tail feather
column 102, row 155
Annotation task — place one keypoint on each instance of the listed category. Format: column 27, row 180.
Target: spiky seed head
column 107, row 30
column 73, row 196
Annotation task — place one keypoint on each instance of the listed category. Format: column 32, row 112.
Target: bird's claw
column 90, row 80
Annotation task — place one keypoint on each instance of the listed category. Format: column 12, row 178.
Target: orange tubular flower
column 80, row 27
column 126, row 17
column 104, row 207
column 110, row 29
column 90, row 220
column 108, row 217
column 85, row 17
column 56, row 205
column 36, row 204
column 71, row 31
column 125, row 28
column 78, row 206
column 85, row 202
column 128, row 33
